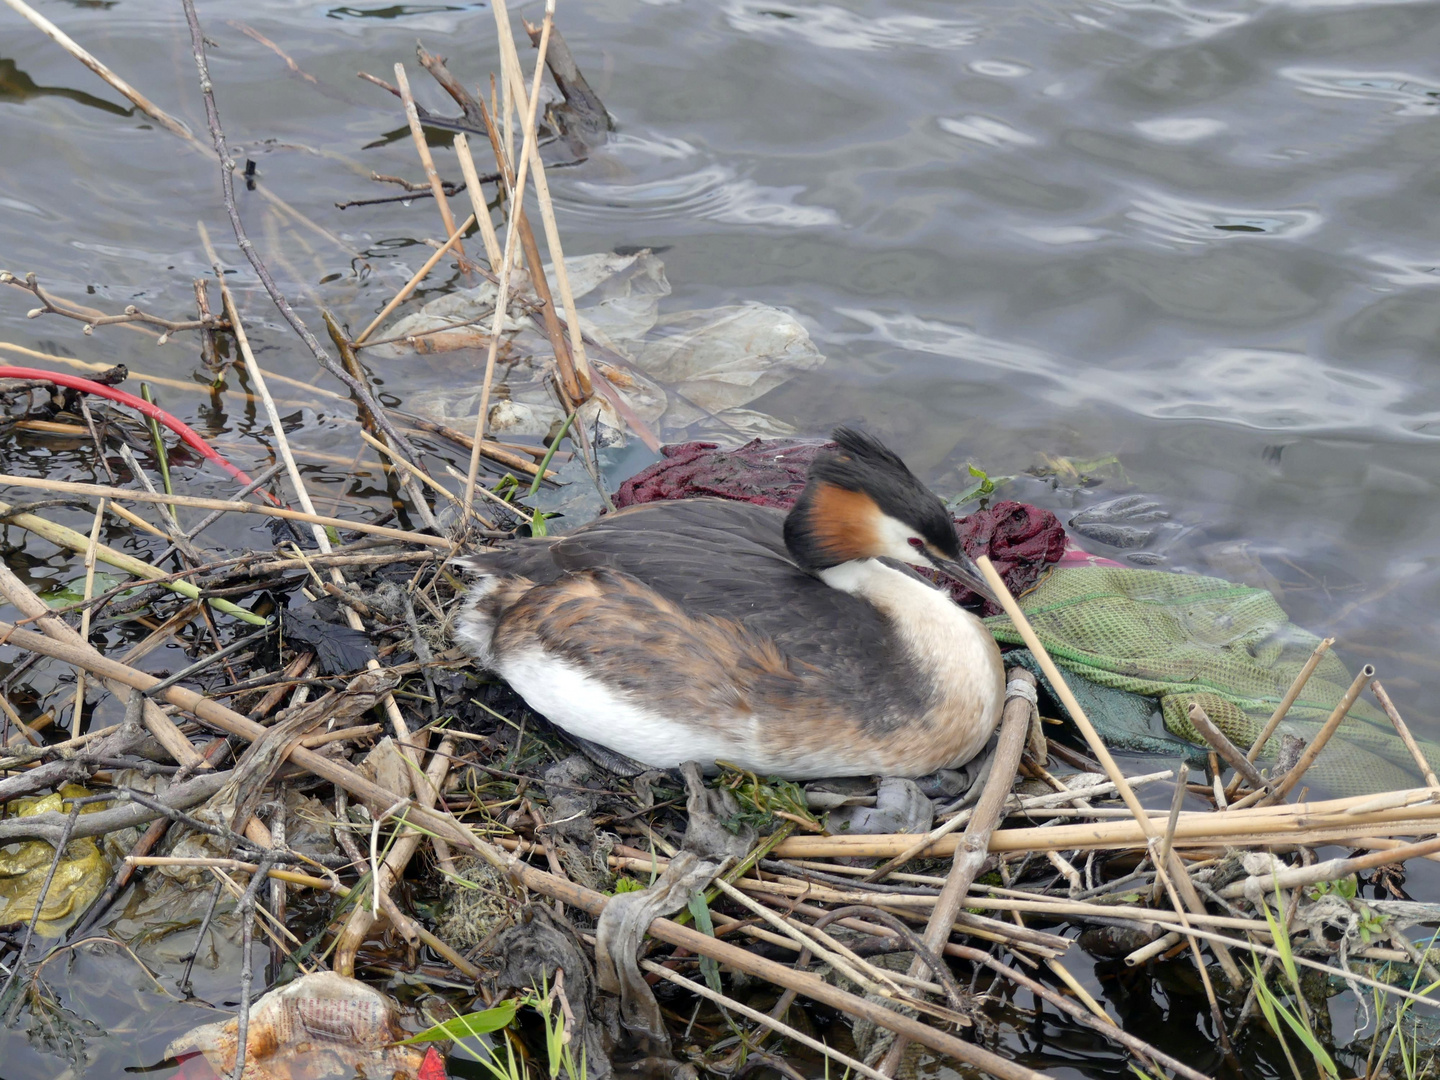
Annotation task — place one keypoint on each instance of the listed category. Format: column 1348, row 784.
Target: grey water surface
column 1184, row 250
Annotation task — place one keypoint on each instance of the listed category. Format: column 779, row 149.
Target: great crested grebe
column 791, row 644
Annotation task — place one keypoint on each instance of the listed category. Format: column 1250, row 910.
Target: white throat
column 944, row 640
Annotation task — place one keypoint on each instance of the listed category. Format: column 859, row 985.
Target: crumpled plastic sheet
column 681, row 369
column 79, row 877
column 709, row 847
column 320, row 1025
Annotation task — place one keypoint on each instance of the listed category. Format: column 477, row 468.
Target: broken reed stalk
column 477, row 199
column 1173, row 868
column 1288, row 700
column 512, row 78
column 422, row 148
column 579, row 374
column 78, row 709
column 1223, row 746
column 101, row 490
column 1426, row 769
column 444, row 825
column 1307, row 824
column 1332, row 724
column 507, row 262
column 1177, row 800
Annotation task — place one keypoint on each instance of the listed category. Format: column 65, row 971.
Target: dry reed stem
column 78, row 708
column 507, row 261
column 155, row 720
column 150, row 572
column 452, row 240
column 1403, row 731
column 1301, row 827
column 547, row 209
column 139, row 100
column 1173, row 868
column 477, row 200
column 1177, row 800
column 512, row 75
column 422, row 148
column 1287, row 784
column 1289, row 699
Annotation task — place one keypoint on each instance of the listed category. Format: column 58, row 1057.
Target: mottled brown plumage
column 703, row 629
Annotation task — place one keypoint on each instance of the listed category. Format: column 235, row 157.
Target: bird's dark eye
column 916, row 543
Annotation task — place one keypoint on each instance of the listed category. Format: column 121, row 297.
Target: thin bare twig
column 227, row 183
column 53, row 305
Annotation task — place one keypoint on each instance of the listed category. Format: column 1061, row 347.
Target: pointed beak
column 965, row 573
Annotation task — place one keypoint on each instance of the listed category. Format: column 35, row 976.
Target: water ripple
column 1263, row 389
column 1198, row 22
column 1180, row 129
column 1400, row 271
column 831, row 27
column 1188, row 222
column 1411, row 96
column 983, row 129
column 714, row 193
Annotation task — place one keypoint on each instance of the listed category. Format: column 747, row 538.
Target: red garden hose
column 187, row 434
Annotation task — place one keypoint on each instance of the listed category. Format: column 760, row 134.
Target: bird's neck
column 942, row 639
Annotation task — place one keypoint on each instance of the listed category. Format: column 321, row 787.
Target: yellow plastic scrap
column 79, row 877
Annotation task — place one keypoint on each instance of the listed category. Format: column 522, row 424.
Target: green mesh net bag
column 1231, row 648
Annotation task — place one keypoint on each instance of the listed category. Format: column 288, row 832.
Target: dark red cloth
column 768, row 472
column 1021, row 540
